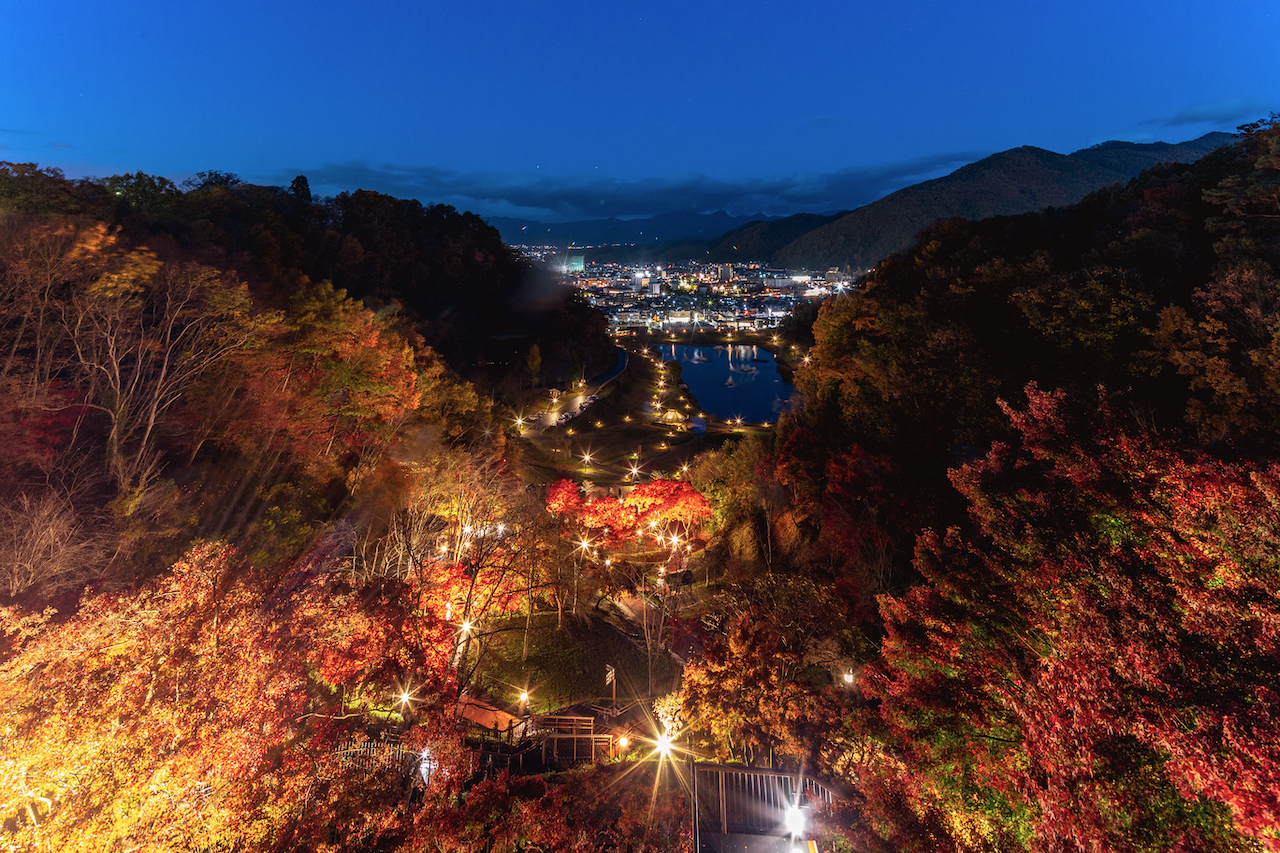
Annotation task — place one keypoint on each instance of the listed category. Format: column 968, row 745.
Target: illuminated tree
column 41, row 260
column 141, row 335
column 1094, row 666
column 45, row 545
column 766, row 687
column 674, row 506
column 204, row 708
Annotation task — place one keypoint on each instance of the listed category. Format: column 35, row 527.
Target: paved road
column 578, row 401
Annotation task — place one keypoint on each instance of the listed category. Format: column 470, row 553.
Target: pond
column 732, row 380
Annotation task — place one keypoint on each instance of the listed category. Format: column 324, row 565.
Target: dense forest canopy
column 1006, row 579
column 238, row 425
column 1033, row 472
column 465, row 291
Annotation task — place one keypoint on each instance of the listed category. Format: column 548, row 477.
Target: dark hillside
column 236, row 361
column 1036, row 466
column 906, row 374
column 760, row 240
column 1011, row 182
column 1020, row 180
column 474, row 300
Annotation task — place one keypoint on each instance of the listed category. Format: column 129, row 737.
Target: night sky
column 567, row 110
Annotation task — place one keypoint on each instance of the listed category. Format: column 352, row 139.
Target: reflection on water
column 732, row 380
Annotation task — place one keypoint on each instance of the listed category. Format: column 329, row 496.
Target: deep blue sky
column 573, row 109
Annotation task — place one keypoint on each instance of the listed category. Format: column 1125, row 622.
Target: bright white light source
column 466, row 627
column 848, row 678
column 664, row 744
column 795, row 821
column 524, row 697
column 623, row 741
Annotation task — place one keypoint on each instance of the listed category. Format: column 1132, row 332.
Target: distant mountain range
column 1016, row 181
column 606, row 232
column 1019, row 180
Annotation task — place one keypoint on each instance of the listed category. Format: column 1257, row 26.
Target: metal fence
column 387, row 753
column 746, row 801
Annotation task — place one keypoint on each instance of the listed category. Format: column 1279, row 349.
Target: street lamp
column 794, row 822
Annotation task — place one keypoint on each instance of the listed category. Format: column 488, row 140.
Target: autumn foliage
column 1100, row 651
column 1048, row 443
column 1008, row 576
column 672, row 506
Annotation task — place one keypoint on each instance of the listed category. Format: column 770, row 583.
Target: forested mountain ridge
column 1036, row 466
column 1019, row 180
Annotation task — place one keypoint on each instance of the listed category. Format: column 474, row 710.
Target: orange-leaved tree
column 205, row 708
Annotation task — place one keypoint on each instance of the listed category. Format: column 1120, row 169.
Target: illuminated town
column 719, row 297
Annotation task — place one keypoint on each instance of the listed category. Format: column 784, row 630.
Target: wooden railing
column 567, row 738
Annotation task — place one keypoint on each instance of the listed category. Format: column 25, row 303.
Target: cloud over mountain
column 1228, row 111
